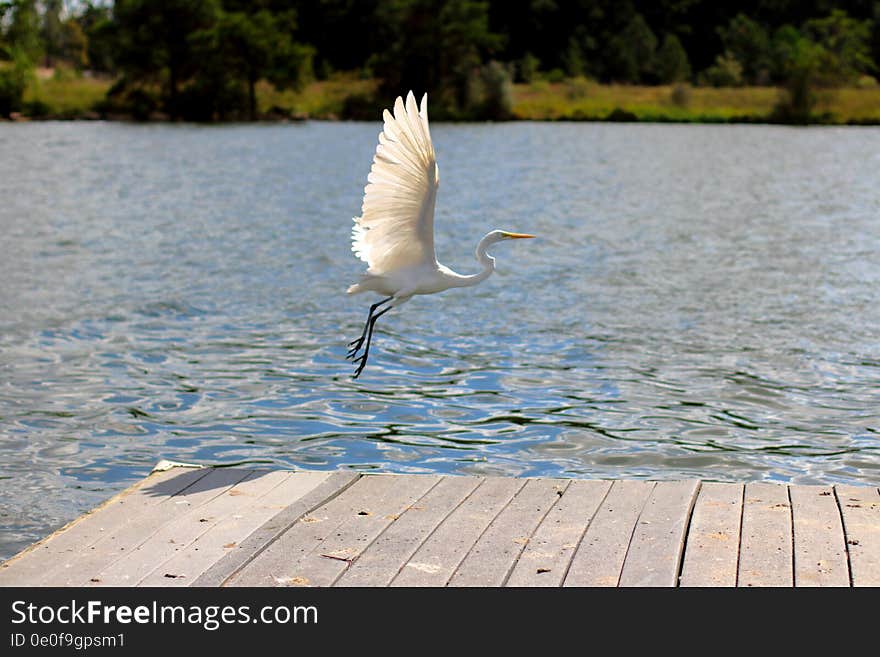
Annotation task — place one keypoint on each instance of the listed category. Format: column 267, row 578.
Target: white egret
column 395, row 233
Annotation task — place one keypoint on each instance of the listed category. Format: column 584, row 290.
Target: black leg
column 355, row 345
column 362, row 359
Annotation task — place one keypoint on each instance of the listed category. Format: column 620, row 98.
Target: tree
column 5, row 50
column 800, row 70
column 100, row 32
column 632, row 51
column 527, row 68
column 672, row 61
column 23, row 34
column 250, row 46
column 783, row 49
column 51, row 31
column 725, row 72
column 747, row 41
column 844, row 43
column 875, row 36
column 342, row 32
column 433, row 45
column 574, row 59
column 153, row 41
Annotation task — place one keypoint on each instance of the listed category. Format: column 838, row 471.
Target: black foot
column 352, row 352
column 360, row 368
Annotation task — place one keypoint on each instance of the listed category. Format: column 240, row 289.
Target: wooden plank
column 137, row 562
column 49, row 562
column 545, row 559
column 278, row 564
column 329, row 560
column 765, row 554
column 599, row 558
column 434, row 563
column 819, row 547
column 381, row 561
column 80, row 569
column 493, row 556
column 711, row 554
column 655, row 552
column 190, row 561
column 860, row 506
column 248, row 549
column 115, row 529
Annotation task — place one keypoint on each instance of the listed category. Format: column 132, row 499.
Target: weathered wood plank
column 272, row 529
column 546, row 557
column 819, row 547
column 765, row 554
column 861, row 522
column 278, row 564
column 599, row 558
column 137, row 562
column 655, row 551
column 83, row 568
column 212, row 527
column 329, row 560
column 711, row 556
column 491, row 559
column 40, row 564
column 381, row 561
column 438, row 557
column 190, row 561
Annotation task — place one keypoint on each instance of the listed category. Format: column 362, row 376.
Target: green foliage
column 798, row 98
column 436, row 46
column 237, row 51
column 726, row 72
column 527, row 68
column 632, row 52
column 51, row 30
column 574, row 59
column 577, row 88
column 490, row 93
column 672, row 63
column 208, row 59
column 555, row 75
column 153, row 41
column 23, row 33
column 13, row 80
column 746, row 41
column 100, row 31
column 844, row 43
column 875, row 35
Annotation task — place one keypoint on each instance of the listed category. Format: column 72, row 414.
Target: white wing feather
column 396, row 226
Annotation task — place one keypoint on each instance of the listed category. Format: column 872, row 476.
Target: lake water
column 703, row 301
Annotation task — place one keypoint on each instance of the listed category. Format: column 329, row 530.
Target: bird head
column 501, row 235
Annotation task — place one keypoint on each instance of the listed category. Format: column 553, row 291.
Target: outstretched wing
column 396, row 226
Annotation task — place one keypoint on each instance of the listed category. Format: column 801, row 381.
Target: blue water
column 703, row 301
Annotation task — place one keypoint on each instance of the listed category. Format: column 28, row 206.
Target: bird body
column 395, row 233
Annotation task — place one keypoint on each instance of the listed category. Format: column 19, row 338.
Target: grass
column 66, row 95
column 580, row 99
column 319, row 100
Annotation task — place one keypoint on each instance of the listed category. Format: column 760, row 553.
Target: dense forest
column 203, row 59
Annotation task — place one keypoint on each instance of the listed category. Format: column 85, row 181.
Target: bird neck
column 484, row 259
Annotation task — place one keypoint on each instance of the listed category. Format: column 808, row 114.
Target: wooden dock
column 239, row 527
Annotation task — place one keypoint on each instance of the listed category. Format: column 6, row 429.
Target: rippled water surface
column 704, row 301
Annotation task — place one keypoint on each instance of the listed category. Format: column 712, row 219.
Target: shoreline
column 89, row 117
column 574, row 100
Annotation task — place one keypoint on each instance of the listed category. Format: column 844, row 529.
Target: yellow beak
column 516, row 236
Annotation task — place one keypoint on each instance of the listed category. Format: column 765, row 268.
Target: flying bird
column 395, row 233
